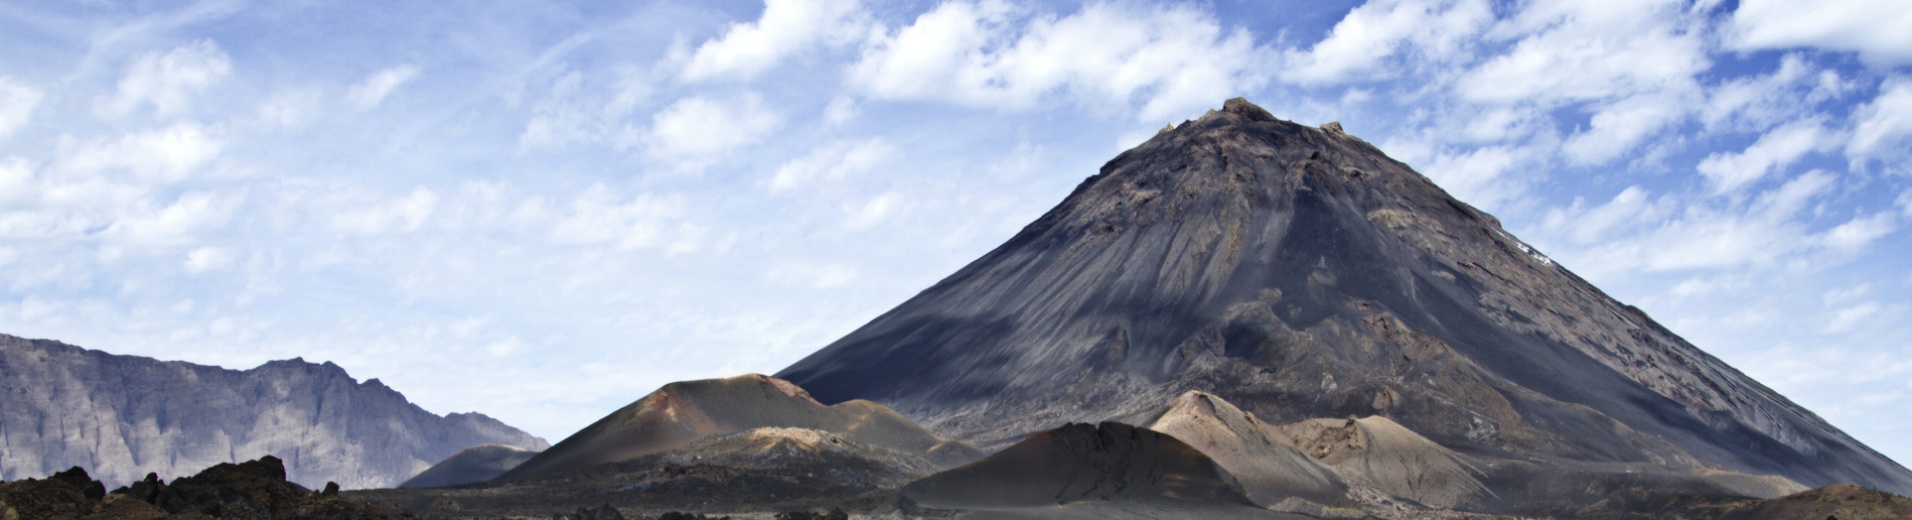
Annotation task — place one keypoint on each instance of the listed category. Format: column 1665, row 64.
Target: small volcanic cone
column 1086, row 471
column 1256, row 453
column 681, row 413
column 1378, row 453
column 475, row 464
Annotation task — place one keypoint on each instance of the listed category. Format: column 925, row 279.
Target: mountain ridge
column 124, row 416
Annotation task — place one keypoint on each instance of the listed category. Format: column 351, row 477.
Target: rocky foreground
column 246, row 491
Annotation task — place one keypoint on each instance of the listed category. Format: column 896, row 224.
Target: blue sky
column 542, row 211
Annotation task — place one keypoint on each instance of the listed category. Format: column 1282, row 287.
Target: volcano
column 1300, row 274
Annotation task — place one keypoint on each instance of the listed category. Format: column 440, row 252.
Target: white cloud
column 1729, row 172
column 1846, row 294
column 696, row 129
column 787, row 27
column 290, row 108
column 577, row 113
column 164, row 155
column 1794, row 90
column 16, row 178
column 832, row 162
column 1358, row 46
column 176, row 223
column 376, row 87
column 598, row 218
column 840, row 110
column 1883, row 128
column 1501, row 123
column 1876, row 29
column 1478, row 176
column 1849, row 318
column 1860, row 232
column 1584, row 225
column 505, row 347
column 1581, row 51
column 207, row 259
column 1632, row 234
column 877, row 211
column 1175, row 59
column 820, row 276
column 403, row 214
column 17, row 101
column 1621, row 126
column 168, row 80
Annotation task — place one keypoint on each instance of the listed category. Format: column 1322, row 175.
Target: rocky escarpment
column 1301, row 273
column 125, row 416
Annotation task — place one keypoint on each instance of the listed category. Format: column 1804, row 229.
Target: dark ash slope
column 474, row 464
column 1299, row 272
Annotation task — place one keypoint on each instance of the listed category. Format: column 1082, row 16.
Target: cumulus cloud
column 176, row 223
column 167, row 81
column 372, row 91
column 598, row 217
column 787, row 27
column 983, row 54
column 403, row 214
column 1794, row 90
column 1479, row 176
column 206, row 259
column 1875, row 29
column 1729, row 171
column 290, row 108
column 1850, row 317
column 1883, row 127
column 1359, row 45
column 575, row 112
column 17, row 101
column 831, row 162
column 167, row 154
column 696, row 130
column 1583, row 51
column 819, row 276
column 1633, row 66
column 1633, row 233
column 16, row 175
column 1858, row 233
column 1619, row 127
column 874, row 212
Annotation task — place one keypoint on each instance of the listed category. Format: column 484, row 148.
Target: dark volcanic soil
column 1111, row 470
column 475, row 464
column 761, row 471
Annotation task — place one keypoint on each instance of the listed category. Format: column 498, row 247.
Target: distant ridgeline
column 121, row 417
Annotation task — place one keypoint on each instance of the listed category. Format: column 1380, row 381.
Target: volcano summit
column 1301, row 274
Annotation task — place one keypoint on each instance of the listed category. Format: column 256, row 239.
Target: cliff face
column 1299, row 273
column 121, row 417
